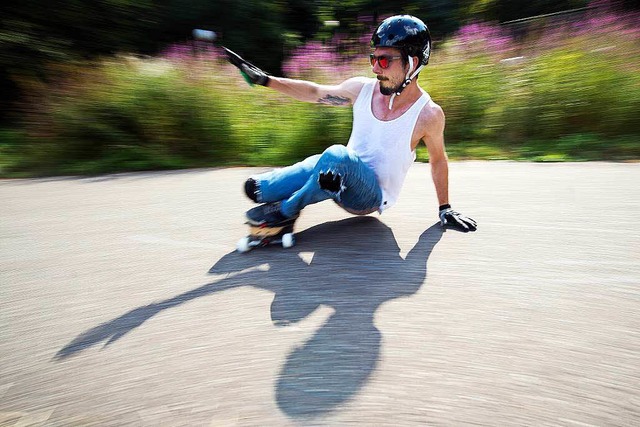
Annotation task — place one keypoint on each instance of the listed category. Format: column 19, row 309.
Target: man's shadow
column 356, row 267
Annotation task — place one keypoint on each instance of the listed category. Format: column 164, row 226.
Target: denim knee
column 333, row 156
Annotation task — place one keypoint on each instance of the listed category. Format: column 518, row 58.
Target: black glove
column 452, row 219
column 251, row 73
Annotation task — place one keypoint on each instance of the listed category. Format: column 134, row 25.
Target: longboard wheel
column 288, row 240
column 243, row 245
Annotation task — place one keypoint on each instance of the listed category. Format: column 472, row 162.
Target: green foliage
column 577, row 91
column 508, row 10
column 11, row 143
column 264, row 31
column 254, row 29
column 442, row 16
column 575, row 100
column 34, row 34
column 130, row 114
column 277, row 130
column 467, row 91
column 134, row 114
column 580, row 147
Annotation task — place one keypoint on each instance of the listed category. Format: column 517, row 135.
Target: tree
column 30, row 38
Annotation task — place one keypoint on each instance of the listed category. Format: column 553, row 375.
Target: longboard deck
column 261, row 232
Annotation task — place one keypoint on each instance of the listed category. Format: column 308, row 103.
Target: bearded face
column 392, row 77
column 388, row 86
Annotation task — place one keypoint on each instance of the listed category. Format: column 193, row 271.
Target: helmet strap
column 407, row 80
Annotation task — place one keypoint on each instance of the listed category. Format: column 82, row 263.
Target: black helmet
column 407, row 33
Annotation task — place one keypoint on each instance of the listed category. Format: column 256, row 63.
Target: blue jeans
column 337, row 173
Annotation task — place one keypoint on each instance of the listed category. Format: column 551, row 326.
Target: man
column 391, row 115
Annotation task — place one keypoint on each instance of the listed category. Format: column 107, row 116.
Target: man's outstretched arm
column 343, row 94
column 340, row 95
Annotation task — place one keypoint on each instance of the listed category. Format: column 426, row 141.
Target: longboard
column 266, row 236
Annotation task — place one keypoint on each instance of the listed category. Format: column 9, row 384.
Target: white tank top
column 384, row 146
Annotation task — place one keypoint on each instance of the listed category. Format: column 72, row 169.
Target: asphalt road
column 122, row 302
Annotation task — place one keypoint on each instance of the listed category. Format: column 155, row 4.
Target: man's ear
column 415, row 61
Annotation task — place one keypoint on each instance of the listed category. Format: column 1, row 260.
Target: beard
column 388, row 90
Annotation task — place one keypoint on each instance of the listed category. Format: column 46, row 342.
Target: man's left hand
column 452, row 219
column 251, row 73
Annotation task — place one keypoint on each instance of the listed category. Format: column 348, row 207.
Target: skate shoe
column 269, row 215
column 252, row 190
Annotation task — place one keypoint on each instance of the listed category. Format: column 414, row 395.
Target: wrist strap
column 443, row 207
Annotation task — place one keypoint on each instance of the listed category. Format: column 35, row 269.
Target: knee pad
column 252, row 189
column 330, row 181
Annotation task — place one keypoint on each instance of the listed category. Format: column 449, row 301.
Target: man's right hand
column 251, row 73
column 455, row 220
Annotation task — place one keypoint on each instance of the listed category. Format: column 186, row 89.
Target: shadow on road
column 356, row 267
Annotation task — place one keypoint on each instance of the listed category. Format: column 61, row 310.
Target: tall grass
column 567, row 92
column 129, row 114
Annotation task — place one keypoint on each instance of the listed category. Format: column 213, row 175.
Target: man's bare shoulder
column 431, row 113
column 354, row 85
column 431, row 119
column 357, row 82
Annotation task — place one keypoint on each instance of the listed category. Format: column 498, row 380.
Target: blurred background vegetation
column 118, row 85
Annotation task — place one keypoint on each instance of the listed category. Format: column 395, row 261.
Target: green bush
column 132, row 114
column 467, row 90
column 271, row 129
column 573, row 92
column 577, row 99
column 12, row 142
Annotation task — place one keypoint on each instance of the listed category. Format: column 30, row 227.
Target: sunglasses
column 383, row 60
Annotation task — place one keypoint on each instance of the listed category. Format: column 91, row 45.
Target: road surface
column 122, row 302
